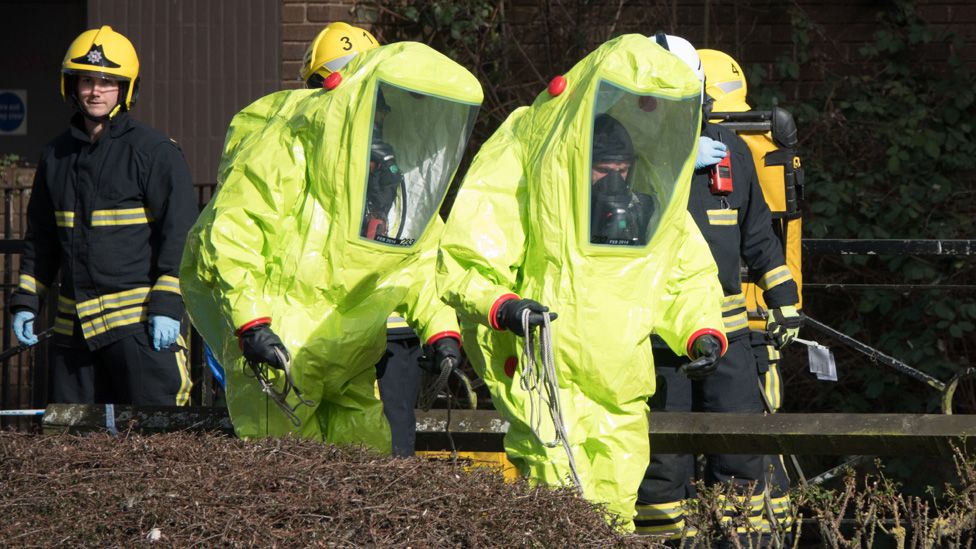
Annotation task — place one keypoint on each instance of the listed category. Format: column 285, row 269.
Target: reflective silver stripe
column 64, row 219
column 731, row 302
column 729, row 87
column 338, row 62
column 123, row 317
column 167, row 283
column 723, row 217
column 30, row 284
column 396, row 322
column 129, row 216
column 63, row 326
column 735, row 322
column 112, row 301
column 660, row 511
column 66, row 306
column 775, row 277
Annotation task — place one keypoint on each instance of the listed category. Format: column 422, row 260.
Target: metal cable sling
column 430, row 391
column 538, row 379
column 262, row 372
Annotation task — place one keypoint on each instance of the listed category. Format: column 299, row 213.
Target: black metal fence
column 23, row 377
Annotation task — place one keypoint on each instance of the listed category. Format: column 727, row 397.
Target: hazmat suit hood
column 528, row 221
column 284, row 237
column 653, row 102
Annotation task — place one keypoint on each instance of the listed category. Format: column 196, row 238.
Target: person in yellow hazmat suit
column 578, row 203
column 284, row 279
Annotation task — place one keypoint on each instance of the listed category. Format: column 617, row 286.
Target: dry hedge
column 207, row 490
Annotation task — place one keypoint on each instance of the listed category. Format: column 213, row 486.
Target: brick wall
column 753, row 31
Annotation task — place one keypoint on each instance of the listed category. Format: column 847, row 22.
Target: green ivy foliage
column 889, row 149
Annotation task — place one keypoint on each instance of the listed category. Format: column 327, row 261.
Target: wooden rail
column 483, row 430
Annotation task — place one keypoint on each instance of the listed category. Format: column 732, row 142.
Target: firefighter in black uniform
column 111, row 204
column 732, row 215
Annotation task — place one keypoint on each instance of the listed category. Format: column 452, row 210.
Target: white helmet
column 683, row 50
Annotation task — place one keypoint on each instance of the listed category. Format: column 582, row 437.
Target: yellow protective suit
column 282, row 237
column 521, row 223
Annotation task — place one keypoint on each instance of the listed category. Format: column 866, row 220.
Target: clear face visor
column 640, row 143
column 416, row 144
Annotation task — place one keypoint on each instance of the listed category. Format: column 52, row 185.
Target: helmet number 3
column 347, row 42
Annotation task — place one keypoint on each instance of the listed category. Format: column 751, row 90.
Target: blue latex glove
column 164, row 331
column 24, row 327
column 709, row 152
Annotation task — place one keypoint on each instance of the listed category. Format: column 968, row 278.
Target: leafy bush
column 889, row 147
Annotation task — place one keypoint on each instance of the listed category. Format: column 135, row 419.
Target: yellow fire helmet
column 724, row 81
column 334, row 46
column 102, row 53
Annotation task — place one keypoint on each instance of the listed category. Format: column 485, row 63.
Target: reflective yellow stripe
column 731, row 302
column 123, row 317
column 735, row 322
column 167, row 283
column 775, row 277
column 772, row 387
column 673, row 529
column 396, row 322
column 64, row 326
column 129, row 216
column 66, row 305
column 30, row 284
column 780, row 504
column 722, row 217
column 755, row 501
column 112, row 301
column 660, row 511
column 183, row 395
column 756, row 524
column 65, row 219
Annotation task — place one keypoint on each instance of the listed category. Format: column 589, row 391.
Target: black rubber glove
column 258, row 344
column 447, row 348
column 706, row 350
column 509, row 315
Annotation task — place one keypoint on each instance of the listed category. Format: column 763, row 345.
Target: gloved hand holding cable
column 259, row 345
column 783, row 325
column 447, row 356
column 447, row 348
column 509, row 315
column 263, row 350
column 706, row 350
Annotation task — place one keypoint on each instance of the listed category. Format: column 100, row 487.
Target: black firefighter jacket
column 739, row 232
column 112, row 216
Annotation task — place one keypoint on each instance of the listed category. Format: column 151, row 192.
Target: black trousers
column 128, row 371
column 399, row 380
column 733, row 387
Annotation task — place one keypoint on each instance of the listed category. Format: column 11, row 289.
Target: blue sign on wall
column 13, row 112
